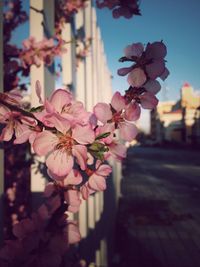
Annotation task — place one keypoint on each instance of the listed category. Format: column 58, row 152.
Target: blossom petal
column 59, row 162
column 156, row 50
column 118, row 150
column 55, row 120
column 97, row 182
column 136, row 77
column 7, row 133
column 118, row 101
column 155, row 69
column 103, row 112
column 83, row 134
column 86, row 191
column 124, row 71
column 44, row 143
column 165, row 74
column 60, row 98
column 148, row 100
column 106, row 128
column 73, row 234
column 132, row 112
column 104, row 170
column 55, row 177
column 22, row 133
column 128, row 131
column 38, row 90
column 3, row 112
column 152, row 86
column 135, row 50
column 73, row 178
column 72, row 197
column 80, row 152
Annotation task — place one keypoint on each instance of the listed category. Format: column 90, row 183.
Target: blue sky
column 177, row 23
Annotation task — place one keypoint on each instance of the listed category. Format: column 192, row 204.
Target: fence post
column 1, row 150
column 94, row 55
column 68, row 57
column 80, row 71
column 81, row 96
column 88, row 60
column 89, row 95
column 41, row 24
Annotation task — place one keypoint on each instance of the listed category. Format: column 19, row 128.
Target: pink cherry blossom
column 137, row 77
column 149, row 63
column 67, row 186
column 119, row 8
column 134, row 50
column 116, row 113
column 132, row 111
column 72, row 197
column 152, row 86
column 106, row 128
column 34, row 52
column 67, row 8
column 21, row 126
column 96, row 180
column 61, row 148
column 117, row 150
column 86, row 191
column 72, row 232
column 148, row 100
column 61, row 106
column 13, row 97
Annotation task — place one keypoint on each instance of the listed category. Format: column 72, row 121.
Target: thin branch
column 37, row 10
column 25, row 113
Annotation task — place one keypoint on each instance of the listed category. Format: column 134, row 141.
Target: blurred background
column 149, row 215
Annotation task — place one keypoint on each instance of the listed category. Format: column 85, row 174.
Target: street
column 158, row 221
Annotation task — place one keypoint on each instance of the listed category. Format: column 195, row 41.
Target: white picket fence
column 91, row 83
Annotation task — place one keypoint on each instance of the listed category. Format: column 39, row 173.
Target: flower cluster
column 149, row 64
column 41, row 241
column 34, row 53
column 65, row 9
column 125, row 8
column 73, row 139
column 76, row 145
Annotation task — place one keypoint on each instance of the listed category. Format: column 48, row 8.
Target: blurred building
column 177, row 121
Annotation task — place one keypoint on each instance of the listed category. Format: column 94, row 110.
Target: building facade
column 177, row 121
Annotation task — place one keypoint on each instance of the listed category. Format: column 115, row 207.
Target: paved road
column 159, row 214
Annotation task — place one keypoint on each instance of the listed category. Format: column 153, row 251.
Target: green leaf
column 37, row 109
column 96, row 146
column 101, row 136
column 98, row 155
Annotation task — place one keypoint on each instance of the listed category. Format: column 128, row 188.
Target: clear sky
column 176, row 22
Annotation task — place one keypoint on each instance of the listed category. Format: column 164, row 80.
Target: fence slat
column 41, row 24
column 88, row 61
column 80, row 71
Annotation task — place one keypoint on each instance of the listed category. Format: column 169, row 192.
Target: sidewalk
column 158, row 223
